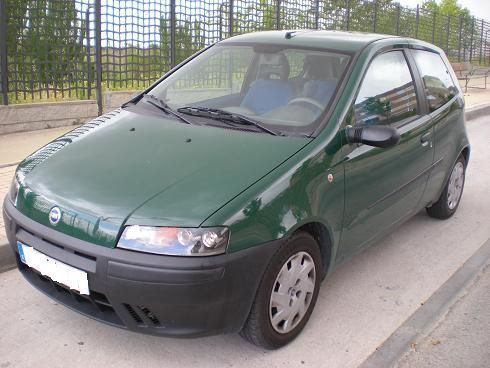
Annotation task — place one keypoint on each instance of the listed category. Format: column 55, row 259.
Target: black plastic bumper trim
column 156, row 275
column 152, row 294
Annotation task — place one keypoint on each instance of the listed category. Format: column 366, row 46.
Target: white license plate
column 57, row 271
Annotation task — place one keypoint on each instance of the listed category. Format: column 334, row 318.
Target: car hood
column 127, row 168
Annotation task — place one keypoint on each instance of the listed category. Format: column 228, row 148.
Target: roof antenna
column 290, row 34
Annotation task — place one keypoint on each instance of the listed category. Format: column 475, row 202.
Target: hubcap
column 292, row 292
column 455, row 186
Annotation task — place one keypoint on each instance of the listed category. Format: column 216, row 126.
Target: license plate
column 57, row 271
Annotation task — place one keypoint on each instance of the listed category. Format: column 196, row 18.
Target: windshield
column 285, row 89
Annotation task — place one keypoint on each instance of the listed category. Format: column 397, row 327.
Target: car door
column 383, row 186
column 445, row 105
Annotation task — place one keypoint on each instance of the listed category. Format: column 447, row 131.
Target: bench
column 466, row 72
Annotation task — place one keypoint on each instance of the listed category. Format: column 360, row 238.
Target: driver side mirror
column 373, row 135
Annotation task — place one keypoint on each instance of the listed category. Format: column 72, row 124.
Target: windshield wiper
column 225, row 116
column 163, row 106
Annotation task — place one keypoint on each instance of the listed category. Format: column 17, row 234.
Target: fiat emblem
column 54, row 215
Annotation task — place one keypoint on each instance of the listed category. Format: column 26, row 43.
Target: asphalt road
column 360, row 305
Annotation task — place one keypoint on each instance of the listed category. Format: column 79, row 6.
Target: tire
column 286, row 292
column 448, row 202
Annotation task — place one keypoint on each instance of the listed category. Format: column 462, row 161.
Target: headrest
column 322, row 67
column 273, row 66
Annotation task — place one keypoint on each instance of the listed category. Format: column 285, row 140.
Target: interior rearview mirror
column 373, row 135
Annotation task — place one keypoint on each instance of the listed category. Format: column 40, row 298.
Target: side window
column 387, row 93
column 439, row 86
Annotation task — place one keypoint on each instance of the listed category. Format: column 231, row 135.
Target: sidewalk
column 477, row 103
column 477, row 97
column 13, row 148
column 5, row 180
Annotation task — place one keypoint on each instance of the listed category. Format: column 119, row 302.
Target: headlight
column 14, row 190
column 175, row 241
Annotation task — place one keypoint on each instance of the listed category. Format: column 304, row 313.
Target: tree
column 188, row 38
column 451, row 20
column 446, row 7
column 44, row 41
column 361, row 15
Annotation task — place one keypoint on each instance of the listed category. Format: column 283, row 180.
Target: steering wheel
column 307, row 100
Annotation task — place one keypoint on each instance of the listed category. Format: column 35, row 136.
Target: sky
column 478, row 8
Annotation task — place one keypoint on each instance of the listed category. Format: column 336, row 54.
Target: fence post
column 89, row 56
column 173, row 24
column 317, row 14
column 98, row 54
column 220, row 21
column 417, row 21
column 447, row 34
column 460, row 36
column 481, row 42
column 375, row 15
column 434, row 26
column 398, row 11
column 471, row 39
column 230, row 18
column 348, row 15
column 3, row 53
column 487, row 43
column 278, row 14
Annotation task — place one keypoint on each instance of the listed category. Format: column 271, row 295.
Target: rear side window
column 439, row 86
column 387, row 94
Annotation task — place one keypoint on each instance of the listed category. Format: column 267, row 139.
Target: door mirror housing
column 373, row 135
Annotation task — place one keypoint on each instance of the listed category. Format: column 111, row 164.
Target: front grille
column 57, row 245
column 133, row 314
column 148, row 313
column 142, row 315
column 92, row 258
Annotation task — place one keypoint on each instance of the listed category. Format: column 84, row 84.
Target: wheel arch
column 324, row 240
column 466, row 154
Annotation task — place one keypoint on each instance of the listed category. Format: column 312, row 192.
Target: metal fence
column 75, row 49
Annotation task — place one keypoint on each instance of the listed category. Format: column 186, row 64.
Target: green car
column 218, row 199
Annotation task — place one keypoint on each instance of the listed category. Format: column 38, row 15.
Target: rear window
column 439, row 86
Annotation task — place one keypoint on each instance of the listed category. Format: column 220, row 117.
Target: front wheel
column 448, row 202
column 286, row 295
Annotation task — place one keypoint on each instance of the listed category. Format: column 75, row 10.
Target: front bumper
column 153, row 294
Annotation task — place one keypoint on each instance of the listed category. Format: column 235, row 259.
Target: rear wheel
column 286, row 295
column 448, row 202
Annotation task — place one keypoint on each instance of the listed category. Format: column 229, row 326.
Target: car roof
column 332, row 40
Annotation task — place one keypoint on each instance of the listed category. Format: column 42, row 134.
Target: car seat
column 271, row 89
column 320, row 73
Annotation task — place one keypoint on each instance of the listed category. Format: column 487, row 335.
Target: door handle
column 426, row 138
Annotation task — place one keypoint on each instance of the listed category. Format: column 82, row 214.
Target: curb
column 2, row 166
column 429, row 313
column 477, row 111
column 7, row 259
